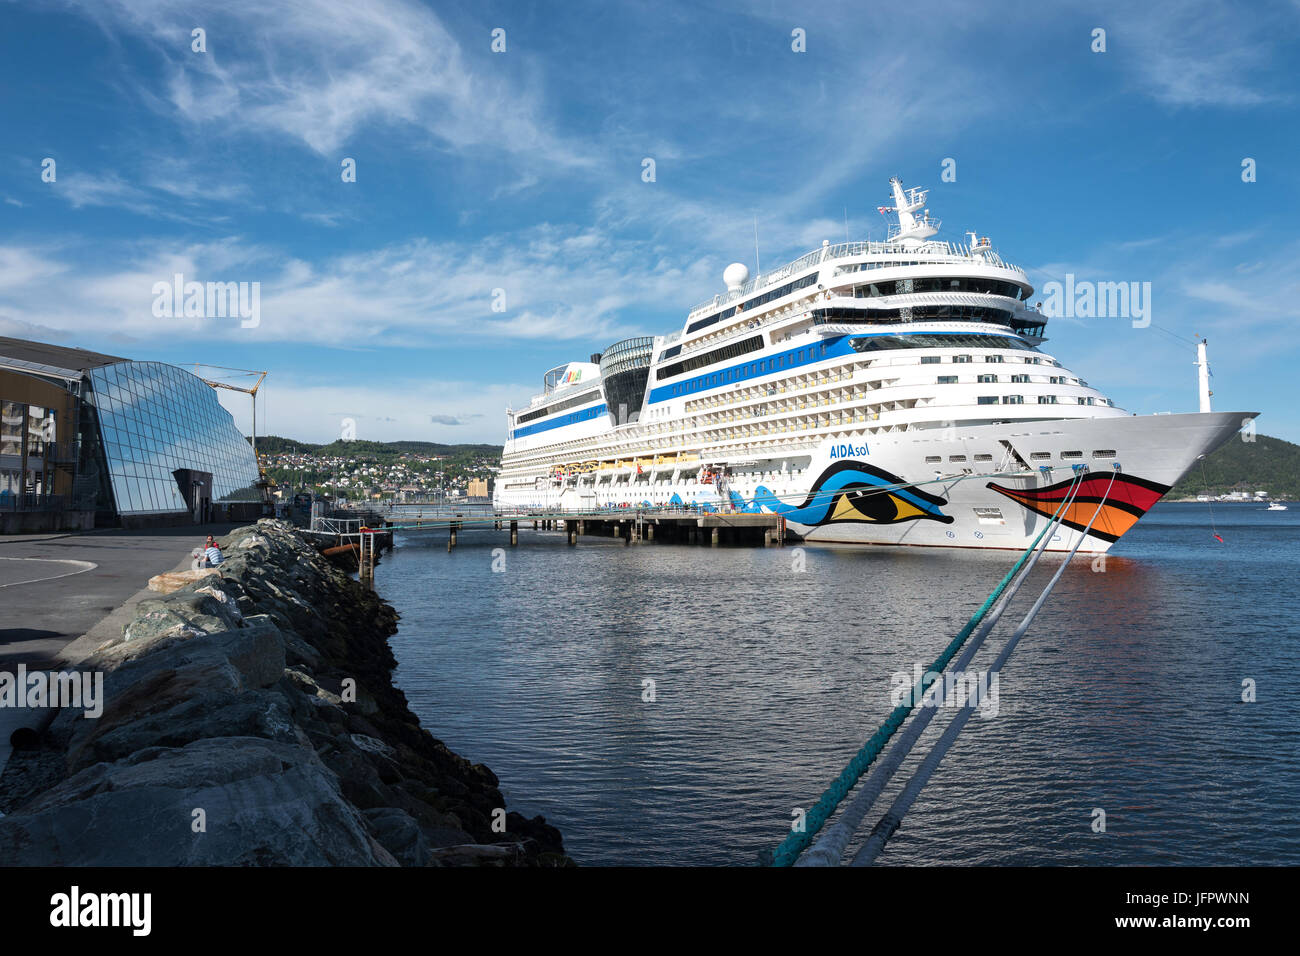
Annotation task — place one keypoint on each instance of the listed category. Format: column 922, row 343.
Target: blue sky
column 522, row 171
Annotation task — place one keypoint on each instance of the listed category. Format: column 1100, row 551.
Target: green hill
column 1266, row 464
column 276, row 445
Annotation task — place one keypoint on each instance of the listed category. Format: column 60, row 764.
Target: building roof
column 40, row 357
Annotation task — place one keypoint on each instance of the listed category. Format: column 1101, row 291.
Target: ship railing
column 748, row 328
column 844, row 250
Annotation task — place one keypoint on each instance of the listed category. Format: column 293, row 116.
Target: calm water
column 1125, row 695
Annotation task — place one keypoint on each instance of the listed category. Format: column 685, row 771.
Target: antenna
column 846, row 224
column 758, row 269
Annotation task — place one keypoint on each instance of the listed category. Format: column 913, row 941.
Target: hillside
column 1266, row 464
column 276, row 445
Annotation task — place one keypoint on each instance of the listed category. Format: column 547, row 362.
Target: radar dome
column 735, row 275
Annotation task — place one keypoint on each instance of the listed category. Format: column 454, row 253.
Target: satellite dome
column 735, row 275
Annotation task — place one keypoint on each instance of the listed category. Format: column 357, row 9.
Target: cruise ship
column 880, row 392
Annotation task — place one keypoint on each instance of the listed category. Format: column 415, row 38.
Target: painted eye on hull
column 857, row 491
column 873, row 505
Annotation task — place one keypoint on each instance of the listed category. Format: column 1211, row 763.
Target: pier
column 368, row 534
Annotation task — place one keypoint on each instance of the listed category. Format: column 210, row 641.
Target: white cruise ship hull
column 1147, row 455
column 1006, row 483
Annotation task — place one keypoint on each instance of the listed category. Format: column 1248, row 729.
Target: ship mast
column 1203, row 374
column 912, row 229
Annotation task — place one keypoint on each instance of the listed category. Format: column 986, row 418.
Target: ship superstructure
column 892, row 392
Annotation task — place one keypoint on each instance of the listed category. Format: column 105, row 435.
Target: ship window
column 993, row 358
column 947, row 379
column 1046, row 399
column 929, row 360
column 933, row 459
column 1023, row 379
column 985, row 379
column 983, row 457
column 1013, row 399
column 956, row 457
column 1071, row 454
column 987, row 400
column 1104, row 453
column 1041, row 455
column 961, row 358
column 709, row 358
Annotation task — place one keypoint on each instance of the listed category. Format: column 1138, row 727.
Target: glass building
column 624, row 372
column 88, row 439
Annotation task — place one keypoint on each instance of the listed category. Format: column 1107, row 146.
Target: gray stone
column 478, row 854
column 264, row 803
column 398, row 832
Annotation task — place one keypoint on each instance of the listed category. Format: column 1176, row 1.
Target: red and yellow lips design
column 1129, row 499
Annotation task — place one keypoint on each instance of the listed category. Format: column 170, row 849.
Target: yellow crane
column 251, row 392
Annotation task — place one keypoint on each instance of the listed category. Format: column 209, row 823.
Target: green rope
column 797, row 841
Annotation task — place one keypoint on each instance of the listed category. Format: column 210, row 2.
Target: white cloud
column 1198, row 53
column 395, row 410
column 322, row 72
column 557, row 283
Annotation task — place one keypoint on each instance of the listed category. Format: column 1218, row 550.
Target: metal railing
column 29, row 501
column 842, row 250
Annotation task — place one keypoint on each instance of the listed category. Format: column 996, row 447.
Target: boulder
column 170, row 581
column 478, row 854
column 262, row 802
column 399, row 834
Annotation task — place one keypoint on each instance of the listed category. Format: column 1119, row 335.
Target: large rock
column 263, row 802
column 170, row 581
column 187, row 680
column 399, row 834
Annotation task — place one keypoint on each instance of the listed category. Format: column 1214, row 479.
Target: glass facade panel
column 155, row 419
column 625, row 371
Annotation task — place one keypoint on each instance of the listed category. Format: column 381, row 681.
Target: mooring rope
column 893, row 817
column 798, row 840
column 830, row 847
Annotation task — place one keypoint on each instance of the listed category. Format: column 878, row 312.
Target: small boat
column 1275, row 506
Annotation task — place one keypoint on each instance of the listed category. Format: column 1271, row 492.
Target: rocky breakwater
column 249, row 717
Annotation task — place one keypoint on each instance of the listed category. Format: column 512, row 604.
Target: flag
column 884, row 209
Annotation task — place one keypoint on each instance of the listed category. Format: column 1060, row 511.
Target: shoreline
column 249, row 717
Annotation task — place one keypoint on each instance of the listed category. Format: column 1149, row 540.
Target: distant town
column 380, row 471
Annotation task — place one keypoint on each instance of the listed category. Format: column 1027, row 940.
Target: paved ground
column 55, row 588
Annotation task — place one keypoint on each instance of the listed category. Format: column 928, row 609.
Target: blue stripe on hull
column 582, row 415
column 774, row 363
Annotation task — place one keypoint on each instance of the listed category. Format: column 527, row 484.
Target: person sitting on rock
column 211, row 553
